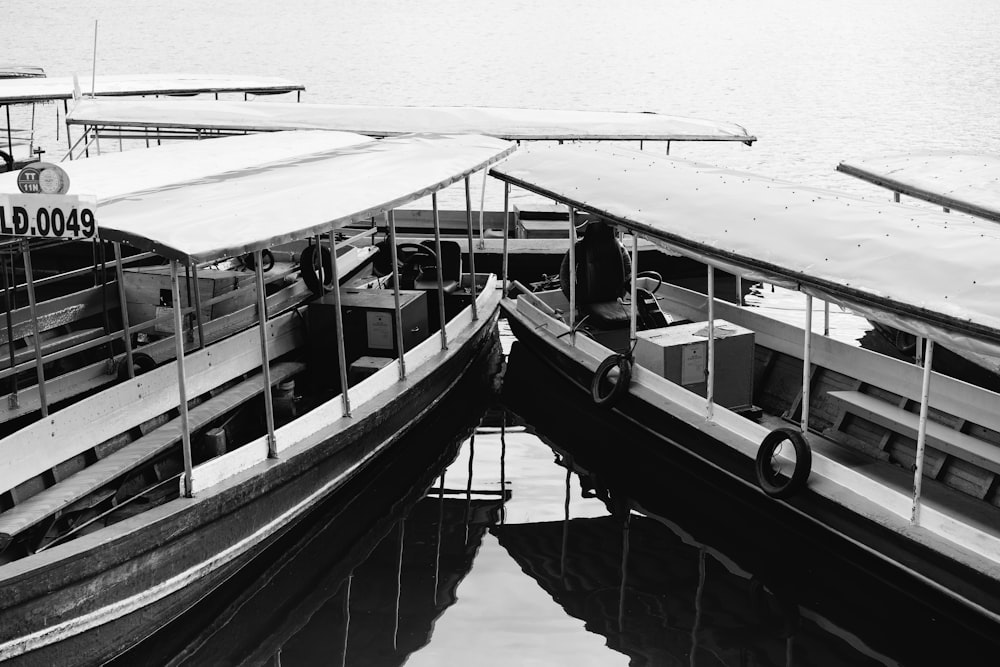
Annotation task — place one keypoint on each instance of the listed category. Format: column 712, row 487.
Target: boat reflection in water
column 689, row 569
column 364, row 579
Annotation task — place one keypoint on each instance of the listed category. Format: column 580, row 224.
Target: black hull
column 677, row 455
column 123, row 569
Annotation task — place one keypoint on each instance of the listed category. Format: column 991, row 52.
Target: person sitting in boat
column 603, row 267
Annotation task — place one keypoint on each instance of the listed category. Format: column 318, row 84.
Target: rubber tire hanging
column 308, row 265
column 773, row 484
column 620, row 387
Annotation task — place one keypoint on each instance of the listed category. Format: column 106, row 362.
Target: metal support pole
column 391, row 220
column 9, row 308
column 472, row 251
column 339, row 317
column 123, row 307
column 506, row 232
column 739, row 290
column 572, row 274
column 826, row 318
column 265, row 359
column 710, row 362
column 318, row 257
column 633, row 308
column 918, row 470
column 482, row 206
column 198, row 318
column 806, row 365
column 919, row 351
column 443, row 319
column 32, row 305
column 181, row 379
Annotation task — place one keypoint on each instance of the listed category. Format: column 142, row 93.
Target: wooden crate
column 148, row 293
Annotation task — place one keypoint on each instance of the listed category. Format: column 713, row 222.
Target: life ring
column 267, row 257
column 774, row 484
column 141, row 362
column 308, row 263
column 619, row 388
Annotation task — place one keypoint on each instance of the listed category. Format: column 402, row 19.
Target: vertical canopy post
column 710, row 362
column 198, row 319
column 506, row 232
column 36, row 338
column 806, row 365
column 123, row 306
column 472, row 250
column 9, row 317
column 918, row 470
column 181, row 377
column 572, row 274
column 482, row 207
column 633, row 308
column 265, row 359
column 391, row 220
column 339, row 318
column 442, row 317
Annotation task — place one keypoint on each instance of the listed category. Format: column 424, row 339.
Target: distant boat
column 126, row 507
column 20, row 71
column 886, row 457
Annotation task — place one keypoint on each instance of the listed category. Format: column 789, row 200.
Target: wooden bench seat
column 78, row 485
column 939, row 436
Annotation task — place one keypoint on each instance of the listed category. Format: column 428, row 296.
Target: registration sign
column 48, row 216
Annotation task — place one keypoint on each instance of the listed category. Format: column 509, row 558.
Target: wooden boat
column 764, row 586
column 527, row 229
column 199, row 467
column 889, row 458
column 962, row 182
column 28, row 87
column 81, row 313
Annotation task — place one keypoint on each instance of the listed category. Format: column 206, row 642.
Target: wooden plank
column 942, row 437
column 76, row 486
column 61, row 311
column 74, row 429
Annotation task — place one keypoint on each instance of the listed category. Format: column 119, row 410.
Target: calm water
column 486, row 579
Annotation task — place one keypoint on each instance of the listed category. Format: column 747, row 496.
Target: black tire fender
column 620, row 387
column 267, row 257
column 773, row 484
column 308, row 265
column 142, row 362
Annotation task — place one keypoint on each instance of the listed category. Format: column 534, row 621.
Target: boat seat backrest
column 602, row 266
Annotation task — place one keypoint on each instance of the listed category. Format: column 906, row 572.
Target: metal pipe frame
column 36, row 338
column 633, row 308
column 806, row 365
column 472, row 250
column 710, row 362
column 181, row 378
column 265, row 359
column 572, row 274
column 506, row 232
column 482, row 207
column 12, row 399
column 918, row 470
column 123, row 307
column 339, row 318
column 391, row 222
column 442, row 317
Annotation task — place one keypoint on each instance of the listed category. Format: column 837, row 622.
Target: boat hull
column 87, row 600
column 938, row 584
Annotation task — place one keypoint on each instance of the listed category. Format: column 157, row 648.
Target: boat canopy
column 503, row 123
column 240, row 211
column 113, row 175
column 19, row 71
column 917, row 270
column 42, row 89
column 968, row 183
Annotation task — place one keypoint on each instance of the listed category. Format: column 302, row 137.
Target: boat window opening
column 482, row 207
column 36, row 333
column 181, row 377
column 123, row 311
column 198, row 315
column 339, row 320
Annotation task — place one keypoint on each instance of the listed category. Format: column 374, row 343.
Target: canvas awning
column 42, row 89
column 968, row 183
column 922, row 271
column 249, row 209
column 503, row 123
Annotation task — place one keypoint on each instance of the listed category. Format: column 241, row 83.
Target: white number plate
column 48, row 216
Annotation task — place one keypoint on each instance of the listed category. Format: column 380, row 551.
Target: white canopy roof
column 919, row 270
column 16, row 71
column 239, row 211
column 13, row 91
column 964, row 182
column 114, row 175
column 512, row 124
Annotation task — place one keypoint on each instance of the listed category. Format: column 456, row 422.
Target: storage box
column 541, row 221
column 148, row 293
column 366, row 367
column 369, row 318
column 680, row 354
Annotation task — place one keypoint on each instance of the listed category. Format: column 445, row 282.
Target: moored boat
column 887, row 457
column 200, row 465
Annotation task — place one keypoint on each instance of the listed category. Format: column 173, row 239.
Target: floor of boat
column 974, row 512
